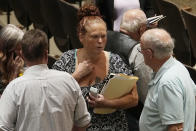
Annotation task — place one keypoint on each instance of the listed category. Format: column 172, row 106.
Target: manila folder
column 116, row 87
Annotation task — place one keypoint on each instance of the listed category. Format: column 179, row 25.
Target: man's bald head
column 133, row 20
column 159, row 40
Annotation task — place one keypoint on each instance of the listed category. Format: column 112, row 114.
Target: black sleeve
column 106, row 8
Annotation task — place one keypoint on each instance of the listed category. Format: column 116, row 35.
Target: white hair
column 132, row 20
column 10, row 38
column 11, row 32
column 160, row 41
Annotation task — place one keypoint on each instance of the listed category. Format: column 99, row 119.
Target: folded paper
column 117, row 86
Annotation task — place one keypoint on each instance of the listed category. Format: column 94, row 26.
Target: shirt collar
column 157, row 75
column 36, row 68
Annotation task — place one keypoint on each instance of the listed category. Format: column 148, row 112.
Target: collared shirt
column 43, row 100
column 170, row 99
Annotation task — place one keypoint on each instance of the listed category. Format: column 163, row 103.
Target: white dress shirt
column 43, row 100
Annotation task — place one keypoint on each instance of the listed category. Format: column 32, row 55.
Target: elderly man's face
column 147, row 52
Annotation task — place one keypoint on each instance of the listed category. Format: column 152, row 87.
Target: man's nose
column 100, row 39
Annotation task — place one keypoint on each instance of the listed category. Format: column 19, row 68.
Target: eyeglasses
column 140, row 49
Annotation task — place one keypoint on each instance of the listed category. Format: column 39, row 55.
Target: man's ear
column 142, row 29
column 149, row 53
column 46, row 53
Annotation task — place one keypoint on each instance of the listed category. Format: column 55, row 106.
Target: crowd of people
column 59, row 99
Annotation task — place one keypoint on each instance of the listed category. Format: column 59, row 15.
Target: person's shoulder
column 69, row 53
column 63, row 77
column 135, row 53
column 127, row 38
column 56, row 73
column 67, row 58
column 175, row 74
column 115, row 56
column 16, row 83
column 176, row 69
column 120, row 37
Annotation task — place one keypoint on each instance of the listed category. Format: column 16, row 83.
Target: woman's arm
column 126, row 101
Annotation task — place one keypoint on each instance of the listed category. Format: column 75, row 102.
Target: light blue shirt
column 170, row 99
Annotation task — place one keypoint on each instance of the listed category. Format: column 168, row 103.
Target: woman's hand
column 153, row 25
column 83, row 69
column 98, row 101
column 124, row 102
column 19, row 63
column 16, row 65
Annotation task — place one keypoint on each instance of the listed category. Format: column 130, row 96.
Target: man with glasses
column 133, row 24
column 170, row 103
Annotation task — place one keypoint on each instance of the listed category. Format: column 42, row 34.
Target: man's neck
column 38, row 62
column 123, row 32
column 159, row 63
column 133, row 36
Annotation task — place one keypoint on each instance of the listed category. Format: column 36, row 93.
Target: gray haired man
column 170, row 103
column 133, row 25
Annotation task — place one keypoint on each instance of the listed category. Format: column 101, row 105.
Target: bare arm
column 175, row 127
column 126, row 101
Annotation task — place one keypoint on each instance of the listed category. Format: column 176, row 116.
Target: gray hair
column 160, row 41
column 132, row 20
column 10, row 38
column 10, row 33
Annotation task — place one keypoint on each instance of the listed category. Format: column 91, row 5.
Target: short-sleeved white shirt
column 43, row 100
column 170, row 99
